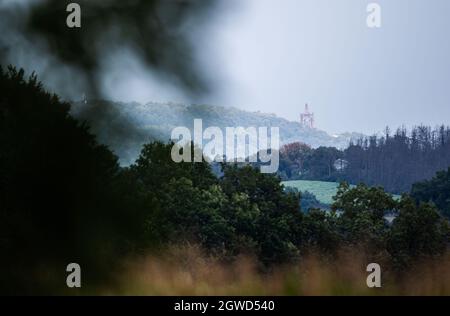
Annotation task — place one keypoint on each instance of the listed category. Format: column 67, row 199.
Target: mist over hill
column 124, row 127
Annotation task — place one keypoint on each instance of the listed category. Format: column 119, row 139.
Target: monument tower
column 307, row 118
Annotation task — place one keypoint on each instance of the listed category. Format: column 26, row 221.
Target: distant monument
column 307, row 118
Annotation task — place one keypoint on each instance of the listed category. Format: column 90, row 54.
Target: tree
column 56, row 201
column 277, row 219
column 418, row 232
column 292, row 159
column 192, row 214
column 394, row 161
column 320, row 163
column 155, row 166
column 320, row 232
column 436, row 190
column 307, row 200
column 351, row 201
column 399, row 160
column 362, row 211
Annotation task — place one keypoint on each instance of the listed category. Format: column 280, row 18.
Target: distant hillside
column 126, row 126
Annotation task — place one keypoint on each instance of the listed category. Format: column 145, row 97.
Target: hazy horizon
column 279, row 55
column 275, row 56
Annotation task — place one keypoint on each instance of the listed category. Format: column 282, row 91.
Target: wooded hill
column 126, row 126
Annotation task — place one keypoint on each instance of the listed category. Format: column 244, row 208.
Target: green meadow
column 324, row 191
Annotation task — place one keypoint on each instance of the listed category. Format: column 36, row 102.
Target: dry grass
column 188, row 271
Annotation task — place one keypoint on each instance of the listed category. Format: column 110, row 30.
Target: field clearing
column 324, row 191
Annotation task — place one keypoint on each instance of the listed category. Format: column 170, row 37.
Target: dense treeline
column 436, row 190
column 64, row 198
column 307, row 200
column 394, row 162
column 397, row 161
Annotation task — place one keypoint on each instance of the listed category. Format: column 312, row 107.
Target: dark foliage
column 157, row 30
column 307, row 200
column 398, row 161
column 436, row 190
column 299, row 161
column 61, row 194
column 419, row 232
column 64, row 198
column 394, row 162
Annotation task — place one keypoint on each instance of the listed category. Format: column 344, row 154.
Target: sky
column 276, row 55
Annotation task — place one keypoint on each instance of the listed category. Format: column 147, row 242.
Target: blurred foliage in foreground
column 187, row 270
column 64, row 198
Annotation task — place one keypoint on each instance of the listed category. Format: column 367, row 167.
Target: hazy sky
column 276, row 55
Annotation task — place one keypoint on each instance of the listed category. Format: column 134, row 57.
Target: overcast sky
column 276, row 55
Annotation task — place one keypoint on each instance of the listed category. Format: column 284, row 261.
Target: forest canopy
column 64, row 198
column 394, row 162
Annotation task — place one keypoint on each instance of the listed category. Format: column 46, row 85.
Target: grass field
column 324, row 191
